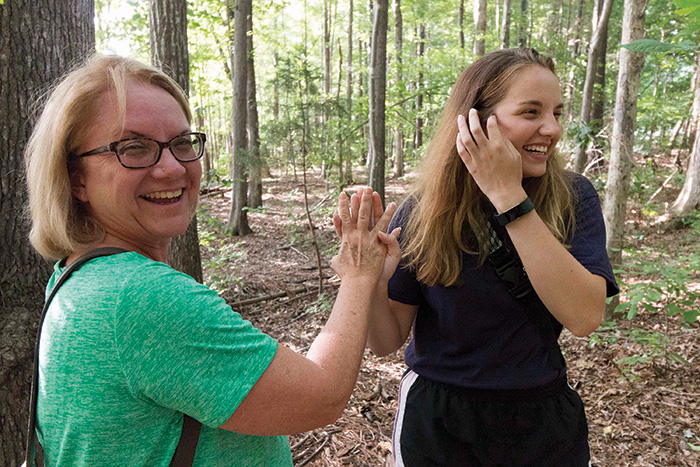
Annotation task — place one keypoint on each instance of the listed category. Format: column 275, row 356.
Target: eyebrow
column 538, row 103
column 140, row 135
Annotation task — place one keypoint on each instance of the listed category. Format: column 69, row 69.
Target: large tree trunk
column 168, row 33
column 507, row 7
column 398, row 43
column 597, row 42
column 689, row 197
column 479, row 45
column 255, row 165
column 237, row 216
column 40, row 40
column 622, row 143
column 377, row 96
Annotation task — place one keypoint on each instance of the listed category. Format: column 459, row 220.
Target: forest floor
column 642, row 411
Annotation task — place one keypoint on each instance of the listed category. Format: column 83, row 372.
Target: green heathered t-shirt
column 128, row 346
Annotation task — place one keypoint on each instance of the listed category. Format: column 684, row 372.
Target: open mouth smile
column 163, row 197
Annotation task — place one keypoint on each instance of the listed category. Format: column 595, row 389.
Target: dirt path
column 642, row 415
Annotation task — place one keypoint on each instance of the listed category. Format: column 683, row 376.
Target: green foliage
column 658, row 47
column 669, row 292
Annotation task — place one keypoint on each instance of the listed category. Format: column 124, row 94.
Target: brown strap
column 186, row 448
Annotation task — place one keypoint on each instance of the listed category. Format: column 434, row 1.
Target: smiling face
column 139, row 209
column 528, row 116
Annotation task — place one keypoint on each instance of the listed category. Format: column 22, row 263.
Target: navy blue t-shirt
column 475, row 334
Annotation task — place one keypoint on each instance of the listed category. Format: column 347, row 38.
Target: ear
column 77, row 185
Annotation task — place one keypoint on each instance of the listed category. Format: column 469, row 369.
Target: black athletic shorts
column 448, row 426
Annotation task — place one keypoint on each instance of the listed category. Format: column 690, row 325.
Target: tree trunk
column 237, row 217
column 575, row 50
column 398, row 43
column 598, row 108
column 523, row 21
column 347, row 176
column 377, row 97
column 460, row 20
column 40, row 40
column 168, row 34
column 255, row 188
column 689, row 197
column 622, row 142
column 505, row 42
column 479, row 44
column 587, row 99
column 420, row 50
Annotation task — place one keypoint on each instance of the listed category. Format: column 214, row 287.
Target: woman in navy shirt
column 487, row 383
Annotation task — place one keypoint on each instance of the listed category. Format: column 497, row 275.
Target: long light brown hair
column 451, row 212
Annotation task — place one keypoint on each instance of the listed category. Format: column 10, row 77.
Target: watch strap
column 514, row 213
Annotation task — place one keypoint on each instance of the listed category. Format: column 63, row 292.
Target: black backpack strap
column 510, row 270
column 75, row 265
column 187, row 446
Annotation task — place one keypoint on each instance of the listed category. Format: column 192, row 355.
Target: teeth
column 164, row 194
column 536, row 148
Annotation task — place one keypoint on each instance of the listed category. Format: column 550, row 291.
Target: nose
column 551, row 126
column 168, row 166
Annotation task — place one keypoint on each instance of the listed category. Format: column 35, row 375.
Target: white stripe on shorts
column 405, row 386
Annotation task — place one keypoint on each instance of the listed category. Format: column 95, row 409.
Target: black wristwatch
column 514, row 213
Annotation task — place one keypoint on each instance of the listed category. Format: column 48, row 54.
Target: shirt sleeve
column 183, row 347
column 588, row 242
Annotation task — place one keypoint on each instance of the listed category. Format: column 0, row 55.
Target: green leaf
column 672, row 309
column 632, row 312
column 694, row 447
column 690, row 316
column 657, row 47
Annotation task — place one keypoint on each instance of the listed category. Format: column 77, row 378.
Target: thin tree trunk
column 348, row 161
column 377, row 97
column 586, row 101
column 460, row 20
column 420, row 50
column 622, row 142
column 575, row 50
column 398, row 45
column 237, row 218
column 255, row 163
column 168, row 38
column 40, row 40
column 479, row 44
column 523, row 20
column 505, row 42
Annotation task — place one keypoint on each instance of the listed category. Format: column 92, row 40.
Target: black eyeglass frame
column 112, row 147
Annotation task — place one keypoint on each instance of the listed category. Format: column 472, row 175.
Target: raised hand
column 491, row 159
column 360, row 224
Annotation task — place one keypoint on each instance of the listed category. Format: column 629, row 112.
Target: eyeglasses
column 139, row 153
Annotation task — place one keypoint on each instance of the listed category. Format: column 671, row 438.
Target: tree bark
column 460, row 20
column 347, row 176
column 168, row 38
column 238, row 218
column 689, row 197
column 398, row 45
column 255, row 188
column 586, row 101
column 420, row 50
column 622, row 142
column 523, row 21
column 479, row 44
column 40, row 40
column 377, row 96
column 507, row 7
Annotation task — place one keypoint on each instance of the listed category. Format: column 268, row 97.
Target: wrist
column 508, row 201
column 514, row 213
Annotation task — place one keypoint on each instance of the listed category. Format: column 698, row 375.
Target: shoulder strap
column 510, row 270
column 75, row 265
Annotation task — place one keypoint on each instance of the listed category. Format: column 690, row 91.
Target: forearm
column 573, row 295
column 385, row 335
column 339, row 347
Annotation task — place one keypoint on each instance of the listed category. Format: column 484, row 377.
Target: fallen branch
column 287, row 293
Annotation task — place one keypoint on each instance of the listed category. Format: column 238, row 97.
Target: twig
column 308, row 217
column 662, row 185
column 292, row 294
column 313, row 454
column 300, row 442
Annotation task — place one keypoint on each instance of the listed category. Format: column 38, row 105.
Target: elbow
column 586, row 326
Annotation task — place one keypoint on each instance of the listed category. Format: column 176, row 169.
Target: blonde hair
column 60, row 224
column 451, row 212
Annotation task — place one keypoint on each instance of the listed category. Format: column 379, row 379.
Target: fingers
column 355, row 204
column 478, row 136
column 377, row 209
column 365, row 210
column 383, row 222
column 343, row 212
column 338, row 225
